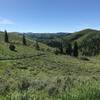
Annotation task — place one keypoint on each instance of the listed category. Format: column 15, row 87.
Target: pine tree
column 37, row 46
column 69, row 49
column 61, row 47
column 75, row 50
column 24, row 39
column 6, row 37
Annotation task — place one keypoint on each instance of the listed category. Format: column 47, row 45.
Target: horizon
column 50, row 32
column 49, row 16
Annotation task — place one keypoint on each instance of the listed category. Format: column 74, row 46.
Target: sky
column 49, row 15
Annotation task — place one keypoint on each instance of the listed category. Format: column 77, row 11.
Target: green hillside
column 31, row 74
column 88, row 41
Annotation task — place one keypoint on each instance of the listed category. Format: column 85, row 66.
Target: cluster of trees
column 24, row 42
column 70, row 50
column 91, row 46
column 6, row 38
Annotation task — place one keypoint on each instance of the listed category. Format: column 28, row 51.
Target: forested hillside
column 88, row 41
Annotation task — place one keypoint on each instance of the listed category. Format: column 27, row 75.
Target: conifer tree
column 37, row 46
column 24, row 39
column 6, row 37
column 69, row 49
column 61, row 47
column 75, row 50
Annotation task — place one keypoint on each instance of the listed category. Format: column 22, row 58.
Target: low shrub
column 85, row 58
column 52, row 91
column 12, row 47
column 24, row 84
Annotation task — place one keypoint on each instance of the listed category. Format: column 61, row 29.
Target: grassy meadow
column 30, row 74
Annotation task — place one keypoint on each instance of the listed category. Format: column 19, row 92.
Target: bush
column 52, row 91
column 85, row 58
column 12, row 47
column 24, row 85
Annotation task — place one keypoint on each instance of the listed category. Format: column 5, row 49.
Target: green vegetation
column 75, row 53
column 37, row 46
column 6, row 37
column 24, row 40
column 88, row 41
column 29, row 73
column 69, row 49
column 12, row 47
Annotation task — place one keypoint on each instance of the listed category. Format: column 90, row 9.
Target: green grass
column 44, row 72
column 42, row 75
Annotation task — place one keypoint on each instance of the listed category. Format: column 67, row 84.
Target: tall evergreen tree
column 37, row 46
column 6, row 37
column 75, row 50
column 69, row 49
column 61, row 48
column 24, row 39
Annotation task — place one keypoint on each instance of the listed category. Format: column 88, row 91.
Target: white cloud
column 4, row 21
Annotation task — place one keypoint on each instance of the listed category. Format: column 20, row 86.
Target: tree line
column 70, row 50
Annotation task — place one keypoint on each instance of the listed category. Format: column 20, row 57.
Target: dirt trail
column 21, row 57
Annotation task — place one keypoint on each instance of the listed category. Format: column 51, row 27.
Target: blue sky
column 49, row 15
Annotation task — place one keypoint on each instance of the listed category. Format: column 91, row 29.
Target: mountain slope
column 41, row 75
column 81, row 34
column 88, row 41
column 21, row 50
